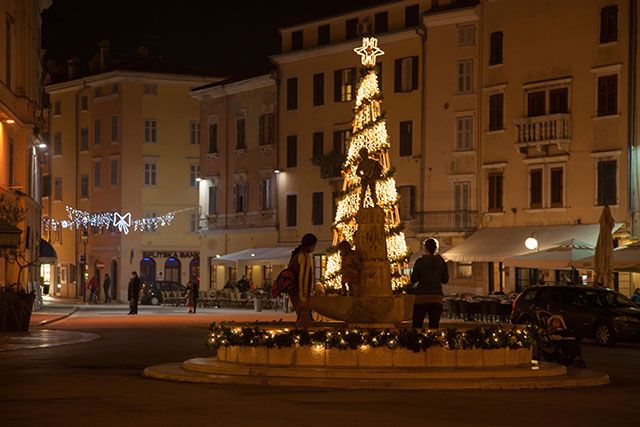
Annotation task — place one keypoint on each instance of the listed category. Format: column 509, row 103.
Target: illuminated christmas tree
column 367, row 156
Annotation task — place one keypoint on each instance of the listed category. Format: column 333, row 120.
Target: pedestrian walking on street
column 134, row 293
column 93, row 287
column 430, row 272
column 106, row 286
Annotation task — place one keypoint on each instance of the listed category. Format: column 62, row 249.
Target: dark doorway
column 172, row 267
column 147, row 270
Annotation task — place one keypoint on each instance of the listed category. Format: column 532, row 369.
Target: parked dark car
column 151, row 294
column 602, row 314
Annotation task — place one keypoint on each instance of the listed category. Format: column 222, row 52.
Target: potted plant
column 15, row 308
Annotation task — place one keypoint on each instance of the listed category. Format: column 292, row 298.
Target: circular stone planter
column 374, row 357
column 318, row 364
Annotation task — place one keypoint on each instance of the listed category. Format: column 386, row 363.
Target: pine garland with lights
column 369, row 130
column 488, row 337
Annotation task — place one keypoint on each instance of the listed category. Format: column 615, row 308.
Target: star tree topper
column 369, row 51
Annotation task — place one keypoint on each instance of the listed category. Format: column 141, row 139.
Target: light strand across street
column 113, row 221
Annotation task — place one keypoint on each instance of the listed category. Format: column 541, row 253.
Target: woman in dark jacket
column 429, row 272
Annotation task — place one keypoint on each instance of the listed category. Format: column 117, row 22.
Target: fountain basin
column 378, row 310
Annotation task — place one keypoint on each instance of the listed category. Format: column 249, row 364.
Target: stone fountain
column 373, row 301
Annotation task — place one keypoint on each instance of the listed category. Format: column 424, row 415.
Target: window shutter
column 412, row 200
column 414, row 72
column 353, row 82
column 397, row 78
column 499, row 192
column 235, row 197
column 245, row 197
column 337, row 85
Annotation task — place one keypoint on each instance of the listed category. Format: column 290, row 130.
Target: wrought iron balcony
column 241, row 220
column 443, row 221
column 554, row 129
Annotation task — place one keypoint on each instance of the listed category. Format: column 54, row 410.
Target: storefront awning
column 48, row 255
column 270, row 255
column 497, row 244
column 625, row 258
column 559, row 257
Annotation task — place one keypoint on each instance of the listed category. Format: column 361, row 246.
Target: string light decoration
column 488, row 337
column 113, row 221
column 369, row 130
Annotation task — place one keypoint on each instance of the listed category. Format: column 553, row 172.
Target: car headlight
column 627, row 319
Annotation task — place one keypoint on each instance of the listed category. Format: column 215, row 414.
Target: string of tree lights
column 113, row 221
column 370, row 134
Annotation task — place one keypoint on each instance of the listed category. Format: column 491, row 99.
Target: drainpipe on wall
column 422, row 33
column 632, row 174
column 276, row 124
column 226, row 161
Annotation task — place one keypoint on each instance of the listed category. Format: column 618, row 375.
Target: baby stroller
column 558, row 344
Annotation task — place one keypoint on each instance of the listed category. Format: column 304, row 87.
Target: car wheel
column 155, row 301
column 605, row 335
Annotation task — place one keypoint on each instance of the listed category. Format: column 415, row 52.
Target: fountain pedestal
column 373, row 300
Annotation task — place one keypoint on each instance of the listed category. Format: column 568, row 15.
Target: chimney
column 72, row 68
column 104, row 54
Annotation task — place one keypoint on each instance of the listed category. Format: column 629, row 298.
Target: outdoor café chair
column 454, row 309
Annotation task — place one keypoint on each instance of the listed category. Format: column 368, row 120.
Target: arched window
column 172, row 270
column 147, row 270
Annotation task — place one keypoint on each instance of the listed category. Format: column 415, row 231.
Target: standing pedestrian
column 430, row 272
column 106, row 286
column 93, row 286
column 134, row 293
column 189, row 299
column 196, row 294
column 302, row 266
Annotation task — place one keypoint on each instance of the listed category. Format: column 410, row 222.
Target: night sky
column 232, row 38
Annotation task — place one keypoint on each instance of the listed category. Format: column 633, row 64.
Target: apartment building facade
column 22, row 156
column 238, row 182
column 125, row 141
column 531, row 123
column 318, row 73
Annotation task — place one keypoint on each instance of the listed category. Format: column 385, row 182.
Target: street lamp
column 532, row 242
column 83, row 261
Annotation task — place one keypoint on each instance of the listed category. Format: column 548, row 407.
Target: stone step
column 572, row 378
column 211, row 365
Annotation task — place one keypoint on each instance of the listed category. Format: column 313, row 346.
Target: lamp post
column 83, row 261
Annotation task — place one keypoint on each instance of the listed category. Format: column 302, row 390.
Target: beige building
column 531, row 130
column 126, row 141
column 21, row 158
column 318, row 72
column 238, row 181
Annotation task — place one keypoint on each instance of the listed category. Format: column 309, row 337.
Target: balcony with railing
column 554, row 129
column 443, row 221
column 240, row 220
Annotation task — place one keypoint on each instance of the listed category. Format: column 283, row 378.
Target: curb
column 178, row 372
column 55, row 319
